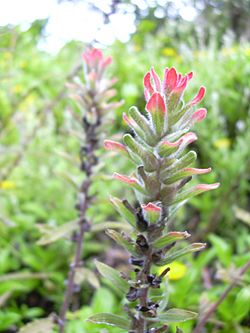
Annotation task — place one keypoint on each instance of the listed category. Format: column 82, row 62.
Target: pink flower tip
column 124, row 179
column 196, row 171
column 199, row 115
column 156, row 103
column 207, row 187
column 151, row 207
column 128, row 121
column 187, row 138
column 199, row 96
column 113, row 145
column 147, row 83
column 94, row 56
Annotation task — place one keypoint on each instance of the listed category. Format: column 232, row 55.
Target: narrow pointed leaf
column 193, row 191
column 124, row 211
column 184, row 173
column 51, row 235
column 148, row 159
column 157, row 109
column 174, row 316
column 144, row 125
column 110, row 320
column 173, row 255
column 169, row 238
column 122, row 241
column 113, row 275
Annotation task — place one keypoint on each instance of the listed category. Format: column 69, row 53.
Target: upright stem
column 84, row 199
column 143, row 299
column 213, row 307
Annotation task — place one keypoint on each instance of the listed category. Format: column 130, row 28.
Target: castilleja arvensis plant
column 92, row 96
column 158, row 147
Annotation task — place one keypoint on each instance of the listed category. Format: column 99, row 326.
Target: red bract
column 199, row 115
column 113, row 145
column 94, row 58
column 198, row 97
column 156, row 104
column 207, row 187
column 151, row 207
column 185, row 139
column 125, row 179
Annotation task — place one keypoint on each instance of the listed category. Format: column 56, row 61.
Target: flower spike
column 159, row 181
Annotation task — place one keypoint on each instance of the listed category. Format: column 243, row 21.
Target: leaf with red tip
column 199, row 115
column 152, row 212
column 167, row 148
column 157, row 109
column 175, row 254
column 184, row 173
column 193, row 191
column 170, row 80
column 169, row 238
column 147, row 83
column 156, row 79
column 115, row 146
column 189, row 75
column 198, row 97
column 133, row 182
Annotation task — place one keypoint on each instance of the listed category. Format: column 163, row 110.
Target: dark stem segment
column 88, row 161
column 213, row 308
column 142, row 276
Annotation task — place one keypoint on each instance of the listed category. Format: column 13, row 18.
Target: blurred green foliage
column 37, row 182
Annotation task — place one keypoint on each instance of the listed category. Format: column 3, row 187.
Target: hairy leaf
column 110, row 320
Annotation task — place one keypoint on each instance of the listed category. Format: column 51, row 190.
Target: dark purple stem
column 89, row 160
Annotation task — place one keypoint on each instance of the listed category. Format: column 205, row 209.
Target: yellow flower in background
column 7, row 55
column 177, row 270
column 222, row 143
column 247, row 52
column 7, row 185
column 169, row 52
column 17, row 88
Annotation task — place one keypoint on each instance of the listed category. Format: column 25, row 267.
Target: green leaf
column 39, row 326
column 241, row 305
column 110, row 320
column 174, row 316
column 148, row 159
column 181, row 163
column 113, row 275
column 51, row 235
column 222, row 248
column 122, row 240
column 173, row 255
column 97, row 227
column 170, row 238
column 143, row 124
column 122, row 208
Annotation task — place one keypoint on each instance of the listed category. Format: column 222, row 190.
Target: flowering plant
column 163, row 168
column 92, row 96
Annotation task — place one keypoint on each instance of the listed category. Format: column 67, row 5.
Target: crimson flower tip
column 124, row 179
column 207, row 187
column 151, row 207
column 156, row 103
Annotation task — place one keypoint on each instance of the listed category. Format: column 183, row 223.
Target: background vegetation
column 39, row 166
